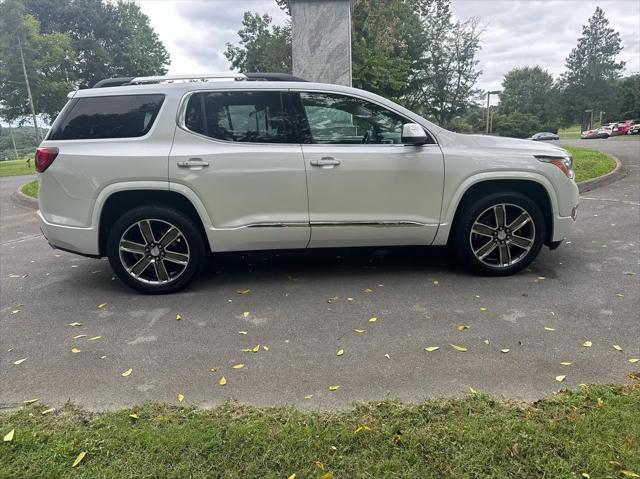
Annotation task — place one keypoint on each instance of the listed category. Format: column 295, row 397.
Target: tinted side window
column 257, row 117
column 340, row 119
column 122, row 116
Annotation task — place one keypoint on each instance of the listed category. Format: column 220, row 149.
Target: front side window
column 119, row 116
column 254, row 117
column 340, row 119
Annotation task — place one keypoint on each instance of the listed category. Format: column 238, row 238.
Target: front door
column 365, row 186
column 238, row 152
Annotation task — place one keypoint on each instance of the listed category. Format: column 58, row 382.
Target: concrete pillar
column 322, row 40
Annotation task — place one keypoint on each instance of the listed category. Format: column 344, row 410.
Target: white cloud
column 519, row 32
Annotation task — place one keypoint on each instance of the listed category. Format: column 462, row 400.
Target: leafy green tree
column 592, row 68
column 110, row 39
column 515, row 124
column 48, row 58
column 380, row 57
column 626, row 99
column 444, row 66
column 263, row 47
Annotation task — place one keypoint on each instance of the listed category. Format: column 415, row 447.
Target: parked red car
column 622, row 128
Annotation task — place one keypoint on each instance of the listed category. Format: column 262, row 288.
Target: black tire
column 477, row 206
column 192, row 250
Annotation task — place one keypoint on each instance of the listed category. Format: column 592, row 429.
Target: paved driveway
column 304, row 307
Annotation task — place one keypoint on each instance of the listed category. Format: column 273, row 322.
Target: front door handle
column 325, row 162
column 193, row 163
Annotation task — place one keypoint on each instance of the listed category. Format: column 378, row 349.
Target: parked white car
column 157, row 172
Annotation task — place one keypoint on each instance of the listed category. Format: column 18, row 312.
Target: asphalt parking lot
column 303, row 307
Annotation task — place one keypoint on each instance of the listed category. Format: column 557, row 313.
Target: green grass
column 31, row 188
column 16, row 168
column 595, row 430
column 570, row 133
column 590, row 163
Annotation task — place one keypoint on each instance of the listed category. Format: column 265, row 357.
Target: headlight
column 564, row 163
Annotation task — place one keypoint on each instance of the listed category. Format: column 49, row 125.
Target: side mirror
column 413, row 134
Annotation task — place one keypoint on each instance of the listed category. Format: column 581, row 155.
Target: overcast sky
column 519, row 32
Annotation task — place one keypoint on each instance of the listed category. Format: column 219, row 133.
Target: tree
column 444, row 65
column 592, row 68
column 110, row 39
column 263, row 47
column 48, row 59
column 626, row 99
column 379, row 50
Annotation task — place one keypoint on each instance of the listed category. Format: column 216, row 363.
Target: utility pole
column 26, row 81
column 489, row 93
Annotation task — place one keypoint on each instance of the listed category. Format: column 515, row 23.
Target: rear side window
column 121, row 116
column 252, row 117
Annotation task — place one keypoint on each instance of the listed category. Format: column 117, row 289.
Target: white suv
column 156, row 172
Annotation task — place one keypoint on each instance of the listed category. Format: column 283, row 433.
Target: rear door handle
column 194, row 163
column 325, row 162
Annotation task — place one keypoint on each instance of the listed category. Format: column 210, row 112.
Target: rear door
column 365, row 186
column 238, row 152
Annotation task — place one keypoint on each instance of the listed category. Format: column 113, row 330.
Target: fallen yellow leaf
column 461, row 349
column 266, row 348
column 222, row 381
column 80, row 336
column 246, row 314
column 483, row 309
column 566, row 363
column 560, row 378
column 20, row 361
column 587, row 344
column 292, row 476
column 431, row 349
column 255, row 349
column 634, row 360
column 243, row 291
column 328, row 475
column 462, row 327
column 472, row 391
column 178, row 317
column 9, row 436
column 334, row 388
column 134, row 416
column 586, row 475
column 30, row 401
column 244, row 333
column 373, row 320
column 308, row 396
column 617, row 347
column 629, row 473
column 238, row 366
column 95, row 338
column 75, row 324
column 75, row 350
column 504, row 350
column 340, row 352
column 127, row 373
column 387, row 356
column 48, row 411
column 180, row 397
column 357, row 330
column 100, row 306
column 547, row 328
column 368, row 290
column 79, row 459
column 15, row 311
column 362, row 428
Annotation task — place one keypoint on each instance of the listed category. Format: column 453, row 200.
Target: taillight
column 45, row 156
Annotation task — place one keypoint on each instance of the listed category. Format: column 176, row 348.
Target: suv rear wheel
column 500, row 234
column 155, row 249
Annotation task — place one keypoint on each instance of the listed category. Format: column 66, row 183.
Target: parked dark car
column 543, row 136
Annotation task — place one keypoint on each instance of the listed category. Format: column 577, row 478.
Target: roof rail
column 228, row 76
column 201, row 77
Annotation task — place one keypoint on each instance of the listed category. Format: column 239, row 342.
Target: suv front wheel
column 155, row 249
column 499, row 234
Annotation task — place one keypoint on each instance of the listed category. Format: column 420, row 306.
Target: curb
column 618, row 173
column 23, row 200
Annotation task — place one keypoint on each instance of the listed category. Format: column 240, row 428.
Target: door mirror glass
column 414, row 134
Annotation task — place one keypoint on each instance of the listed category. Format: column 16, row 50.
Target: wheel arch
column 537, row 190
column 119, row 200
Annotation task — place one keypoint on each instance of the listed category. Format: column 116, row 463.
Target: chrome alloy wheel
column 502, row 235
column 154, row 251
